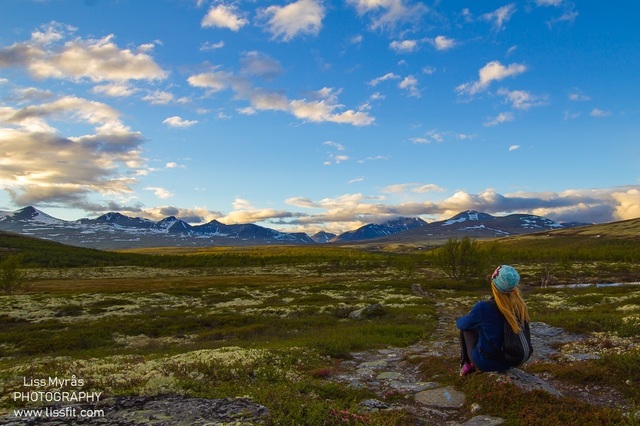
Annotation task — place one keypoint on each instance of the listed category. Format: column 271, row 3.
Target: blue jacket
column 489, row 322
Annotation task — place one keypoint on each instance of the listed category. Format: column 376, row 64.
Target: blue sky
column 320, row 115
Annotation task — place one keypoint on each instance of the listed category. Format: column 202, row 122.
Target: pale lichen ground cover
column 182, row 370
column 149, row 373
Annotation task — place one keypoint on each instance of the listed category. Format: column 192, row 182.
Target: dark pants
column 468, row 341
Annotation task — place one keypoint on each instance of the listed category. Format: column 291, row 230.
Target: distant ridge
column 116, row 231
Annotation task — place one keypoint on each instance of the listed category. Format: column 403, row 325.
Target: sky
column 314, row 115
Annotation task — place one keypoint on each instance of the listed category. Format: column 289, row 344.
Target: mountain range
column 117, row 231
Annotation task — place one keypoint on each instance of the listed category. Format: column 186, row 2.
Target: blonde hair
column 512, row 306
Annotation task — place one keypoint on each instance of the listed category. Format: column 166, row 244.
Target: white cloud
column 500, row 16
column 158, row 97
column 514, row 147
column 335, row 145
column 160, row 192
column 443, row 43
column 324, row 108
column 356, row 39
column 404, row 46
column 214, row 81
column 439, row 137
column 179, row 122
column 374, row 158
column 627, row 204
column 97, row 60
column 212, row 46
column 492, row 71
column 598, row 113
column 570, row 115
column 67, row 170
column 355, row 180
column 503, row 117
column 578, row 96
column 260, row 64
column 245, row 212
column 349, row 211
column 521, row 99
column 387, row 76
column 555, row 3
column 223, row 16
column 336, row 159
column 568, row 16
column 419, row 188
column 115, row 90
column 410, row 84
column 247, row 111
column 297, row 18
column 387, row 14
column 171, row 165
column 428, row 70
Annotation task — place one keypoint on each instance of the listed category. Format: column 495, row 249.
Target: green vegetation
column 12, row 278
column 274, row 323
column 461, row 259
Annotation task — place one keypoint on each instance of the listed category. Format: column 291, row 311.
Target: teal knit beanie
column 505, row 278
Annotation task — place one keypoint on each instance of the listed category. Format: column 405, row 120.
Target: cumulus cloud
column 514, row 147
column 297, row 18
column 179, row 122
column 500, row 16
column 627, row 204
column 41, row 166
column 160, row 192
column 349, row 211
column 158, row 97
column 324, row 107
column 404, row 46
column 598, row 113
column 245, row 212
column 388, row 14
column 115, row 90
column 96, row 60
column 223, row 16
column 410, row 85
column 492, row 71
column 30, row 94
column 443, row 43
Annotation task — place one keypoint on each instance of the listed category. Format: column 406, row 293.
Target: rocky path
column 391, row 372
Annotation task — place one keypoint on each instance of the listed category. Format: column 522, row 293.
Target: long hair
column 512, row 306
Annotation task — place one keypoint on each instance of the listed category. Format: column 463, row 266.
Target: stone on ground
column 446, row 397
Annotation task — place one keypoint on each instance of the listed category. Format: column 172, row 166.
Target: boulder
column 371, row 311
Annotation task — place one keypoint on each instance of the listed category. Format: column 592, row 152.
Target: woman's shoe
column 467, row 369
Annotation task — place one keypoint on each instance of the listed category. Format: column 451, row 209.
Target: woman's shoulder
column 487, row 305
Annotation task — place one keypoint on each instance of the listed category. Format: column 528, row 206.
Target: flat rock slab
column 446, row 397
column 158, row 411
column 483, row 421
column 526, row 381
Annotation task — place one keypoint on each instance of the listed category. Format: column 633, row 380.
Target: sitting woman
column 481, row 330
